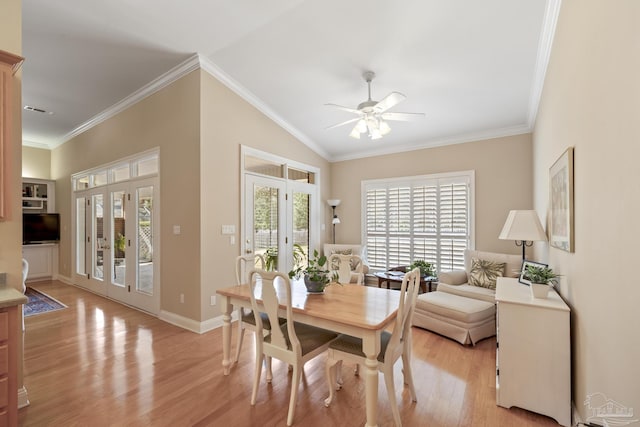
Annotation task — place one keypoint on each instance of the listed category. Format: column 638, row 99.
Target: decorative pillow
column 335, row 263
column 485, row 273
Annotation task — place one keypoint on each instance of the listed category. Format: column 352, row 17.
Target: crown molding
column 193, row 63
column 34, row 144
column 207, row 65
column 150, row 88
column 545, row 43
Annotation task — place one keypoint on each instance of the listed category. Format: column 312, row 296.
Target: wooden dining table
column 356, row 310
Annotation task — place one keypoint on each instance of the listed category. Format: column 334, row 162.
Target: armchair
column 348, row 249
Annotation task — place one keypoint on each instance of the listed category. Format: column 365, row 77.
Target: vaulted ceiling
column 474, row 68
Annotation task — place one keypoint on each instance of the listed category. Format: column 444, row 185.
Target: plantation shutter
column 425, row 218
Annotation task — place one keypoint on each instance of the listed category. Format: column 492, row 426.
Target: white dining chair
column 246, row 320
column 348, row 267
column 393, row 345
column 294, row 343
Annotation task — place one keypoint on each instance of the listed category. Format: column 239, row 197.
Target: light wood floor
column 98, row 363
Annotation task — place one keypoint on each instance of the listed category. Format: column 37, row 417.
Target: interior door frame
column 315, row 209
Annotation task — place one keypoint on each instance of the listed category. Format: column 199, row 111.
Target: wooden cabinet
column 10, row 300
column 533, row 357
column 9, row 64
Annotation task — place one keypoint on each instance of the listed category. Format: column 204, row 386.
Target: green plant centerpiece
column 426, row 268
column 316, row 276
column 540, row 278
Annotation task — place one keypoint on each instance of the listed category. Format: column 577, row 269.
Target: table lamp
column 524, row 227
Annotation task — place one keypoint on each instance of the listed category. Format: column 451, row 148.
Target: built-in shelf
column 38, row 195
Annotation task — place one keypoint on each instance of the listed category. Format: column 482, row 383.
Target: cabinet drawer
column 4, row 359
column 4, row 326
column 4, row 417
column 4, row 392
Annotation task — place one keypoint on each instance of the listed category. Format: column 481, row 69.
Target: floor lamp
column 334, row 204
column 524, row 227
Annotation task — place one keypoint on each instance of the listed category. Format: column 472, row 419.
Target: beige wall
column 227, row 123
column 36, row 163
column 503, row 171
column 591, row 101
column 199, row 126
column 168, row 119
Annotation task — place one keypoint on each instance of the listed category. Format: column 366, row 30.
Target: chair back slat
column 246, row 263
column 342, row 263
column 273, row 297
column 406, row 307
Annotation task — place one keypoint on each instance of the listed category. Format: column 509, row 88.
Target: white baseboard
column 23, row 399
column 193, row 325
column 64, row 279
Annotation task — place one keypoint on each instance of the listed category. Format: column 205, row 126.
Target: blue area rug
column 39, row 303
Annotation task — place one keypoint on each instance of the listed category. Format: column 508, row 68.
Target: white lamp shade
column 333, row 202
column 335, row 220
column 523, row 225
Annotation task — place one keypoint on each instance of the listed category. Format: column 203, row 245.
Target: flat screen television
column 40, row 228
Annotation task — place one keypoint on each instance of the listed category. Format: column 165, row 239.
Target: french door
column 278, row 219
column 116, row 247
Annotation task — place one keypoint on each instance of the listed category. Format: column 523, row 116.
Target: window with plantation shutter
column 425, row 217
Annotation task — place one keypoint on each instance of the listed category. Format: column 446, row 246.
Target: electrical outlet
column 181, row 298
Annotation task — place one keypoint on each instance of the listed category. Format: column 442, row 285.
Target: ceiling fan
column 372, row 115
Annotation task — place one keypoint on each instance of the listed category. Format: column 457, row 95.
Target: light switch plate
column 229, row 229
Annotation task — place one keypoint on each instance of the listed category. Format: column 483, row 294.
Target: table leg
column 226, row 334
column 371, row 348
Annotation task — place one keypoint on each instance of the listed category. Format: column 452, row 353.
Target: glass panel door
column 264, row 220
column 118, row 210
column 99, row 242
column 143, row 249
column 144, row 233
column 301, row 215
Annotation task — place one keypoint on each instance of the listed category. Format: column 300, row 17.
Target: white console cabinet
column 42, row 259
column 533, row 357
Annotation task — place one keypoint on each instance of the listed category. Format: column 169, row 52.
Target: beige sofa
column 461, row 311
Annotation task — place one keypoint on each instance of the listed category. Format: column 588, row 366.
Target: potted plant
column 426, row 268
column 271, row 257
column 540, row 278
column 316, row 276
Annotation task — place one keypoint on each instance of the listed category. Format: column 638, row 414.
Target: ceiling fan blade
column 403, row 117
column 389, row 101
column 343, row 123
column 351, row 110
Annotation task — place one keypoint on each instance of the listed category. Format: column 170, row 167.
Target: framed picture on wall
column 560, row 226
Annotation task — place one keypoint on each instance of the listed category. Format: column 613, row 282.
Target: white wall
column 591, row 101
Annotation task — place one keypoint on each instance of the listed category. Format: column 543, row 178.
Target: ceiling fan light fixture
column 372, row 114
column 375, row 134
column 355, row 133
column 384, row 127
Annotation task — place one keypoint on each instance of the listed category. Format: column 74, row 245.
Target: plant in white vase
column 540, row 278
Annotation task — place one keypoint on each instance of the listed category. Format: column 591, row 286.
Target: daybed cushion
column 468, row 291
column 462, row 319
column 466, row 310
